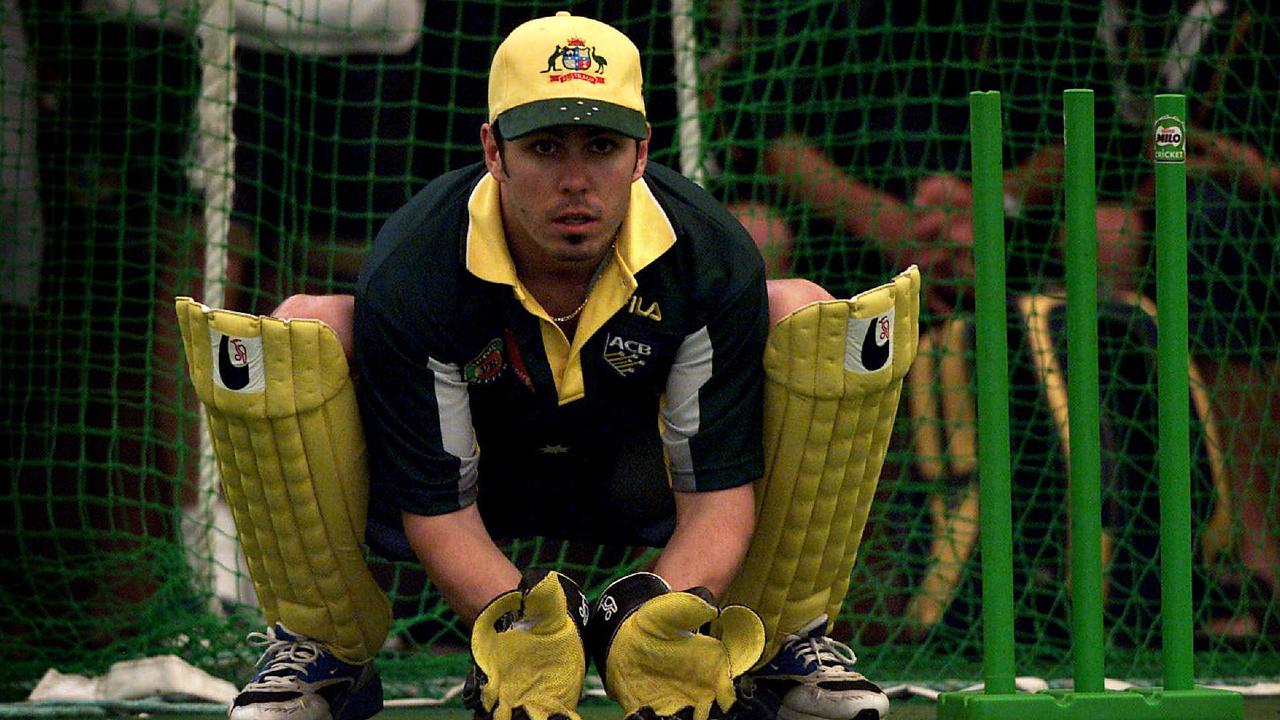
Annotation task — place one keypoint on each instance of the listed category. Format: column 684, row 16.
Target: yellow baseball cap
column 566, row 70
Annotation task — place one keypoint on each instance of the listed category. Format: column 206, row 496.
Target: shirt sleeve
column 712, row 416
column 415, row 409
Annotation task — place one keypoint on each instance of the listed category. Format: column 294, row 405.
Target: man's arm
column 423, row 454
column 937, row 239
column 809, row 175
column 1033, row 182
column 1225, row 157
column 461, row 559
column 710, row 540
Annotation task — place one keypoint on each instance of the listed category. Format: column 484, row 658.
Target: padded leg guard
column 834, row 373
column 291, row 454
column 945, row 432
column 1035, row 311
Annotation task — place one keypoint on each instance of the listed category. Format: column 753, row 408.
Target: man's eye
column 603, row 145
column 544, row 147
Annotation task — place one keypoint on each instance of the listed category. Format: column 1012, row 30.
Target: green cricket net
column 839, row 130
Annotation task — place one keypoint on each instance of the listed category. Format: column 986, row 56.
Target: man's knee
column 336, row 311
column 790, row 294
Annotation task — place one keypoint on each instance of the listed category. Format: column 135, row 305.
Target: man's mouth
column 574, row 219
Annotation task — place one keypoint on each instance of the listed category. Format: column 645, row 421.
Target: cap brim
column 541, row 114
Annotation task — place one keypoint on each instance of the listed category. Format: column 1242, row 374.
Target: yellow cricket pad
column 834, row 374
column 1035, row 311
column 1216, row 536
column 940, row 395
column 291, row 454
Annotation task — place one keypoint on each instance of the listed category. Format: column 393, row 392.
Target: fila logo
column 637, row 306
column 869, row 343
column 625, row 355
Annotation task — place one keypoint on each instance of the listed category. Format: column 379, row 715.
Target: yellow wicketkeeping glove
column 653, row 656
column 528, row 652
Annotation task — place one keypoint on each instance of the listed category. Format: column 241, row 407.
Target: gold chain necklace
column 578, row 311
column 566, row 318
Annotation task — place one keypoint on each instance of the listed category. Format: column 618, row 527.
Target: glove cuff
column 621, row 598
column 576, row 603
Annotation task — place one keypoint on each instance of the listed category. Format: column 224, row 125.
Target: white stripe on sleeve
column 457, row 434
column 681, row 413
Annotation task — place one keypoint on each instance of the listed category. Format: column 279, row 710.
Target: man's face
column 565, row 191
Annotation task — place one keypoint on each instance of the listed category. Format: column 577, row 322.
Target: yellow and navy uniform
column 470, row 392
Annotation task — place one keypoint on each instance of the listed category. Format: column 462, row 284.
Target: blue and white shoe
column 812, row 678
column 301, row 680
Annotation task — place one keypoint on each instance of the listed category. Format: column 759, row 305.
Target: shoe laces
column 287, row 659
column 827, row 653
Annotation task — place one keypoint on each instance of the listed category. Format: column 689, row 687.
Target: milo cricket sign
column 1171, row 140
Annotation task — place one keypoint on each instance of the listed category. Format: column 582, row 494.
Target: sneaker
column 301, row 680
column 812, row 678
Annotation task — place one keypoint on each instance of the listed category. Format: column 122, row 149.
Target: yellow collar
column 645, row 234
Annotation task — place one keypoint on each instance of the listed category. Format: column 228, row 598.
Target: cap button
column 562, row 13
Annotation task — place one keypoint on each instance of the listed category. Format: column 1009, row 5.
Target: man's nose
column 574, row 174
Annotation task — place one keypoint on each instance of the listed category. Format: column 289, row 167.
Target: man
column 863, row 166
column 517, row 329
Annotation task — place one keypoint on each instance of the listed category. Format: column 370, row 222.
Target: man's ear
column 642, row 153
column 492, row 152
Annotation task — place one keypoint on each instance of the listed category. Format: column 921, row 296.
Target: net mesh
column 836, row 130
